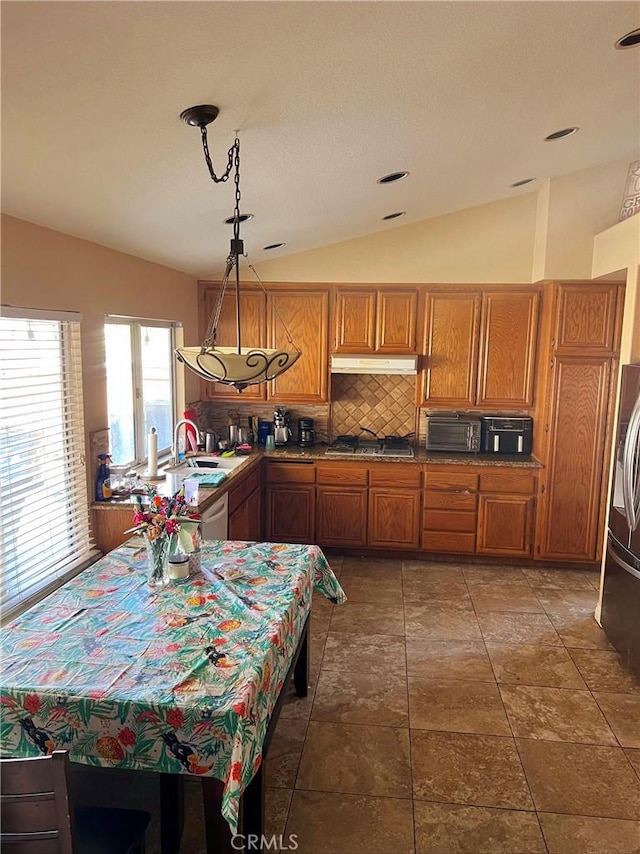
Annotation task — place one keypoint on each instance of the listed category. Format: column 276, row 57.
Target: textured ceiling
column 327, row 97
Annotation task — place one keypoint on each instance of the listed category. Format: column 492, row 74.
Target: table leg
column 301, row 670
column 171, row 812
column 216, row 830
column 253, row 809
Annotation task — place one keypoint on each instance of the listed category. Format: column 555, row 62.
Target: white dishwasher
column 214, row 524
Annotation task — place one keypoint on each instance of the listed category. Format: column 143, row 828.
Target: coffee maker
column 281, row 431
column 306, row 433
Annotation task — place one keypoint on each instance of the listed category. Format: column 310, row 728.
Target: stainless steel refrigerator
column 621, row 594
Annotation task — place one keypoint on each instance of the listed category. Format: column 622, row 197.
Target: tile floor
column 455, row 709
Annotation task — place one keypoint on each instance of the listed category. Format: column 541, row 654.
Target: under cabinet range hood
column 405, row 365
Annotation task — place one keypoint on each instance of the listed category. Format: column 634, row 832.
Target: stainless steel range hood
column 405, row 365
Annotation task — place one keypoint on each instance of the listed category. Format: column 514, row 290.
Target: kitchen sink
column 187, row 467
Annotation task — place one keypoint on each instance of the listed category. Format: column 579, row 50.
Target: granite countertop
column 206, row 495
column 421, row 457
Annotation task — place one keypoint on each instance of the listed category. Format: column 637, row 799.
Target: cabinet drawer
column 349, row 473
column 449, row 520
column 519, row 483
column 448, row 541
column 388, row 474
column 450, row 501
column 291, row 472
column 460, row 482
column 239, row 494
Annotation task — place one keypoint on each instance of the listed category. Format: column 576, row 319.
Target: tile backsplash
column 384, row 404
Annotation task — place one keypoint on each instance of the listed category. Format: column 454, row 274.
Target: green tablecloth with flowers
column 181, row 679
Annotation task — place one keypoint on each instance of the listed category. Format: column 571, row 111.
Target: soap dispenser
column 103, row 481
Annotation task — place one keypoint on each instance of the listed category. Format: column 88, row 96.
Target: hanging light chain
column 219, row 179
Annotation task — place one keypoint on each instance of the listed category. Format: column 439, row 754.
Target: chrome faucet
column 175, row 452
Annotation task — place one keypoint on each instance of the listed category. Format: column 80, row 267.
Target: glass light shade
column 225, row 365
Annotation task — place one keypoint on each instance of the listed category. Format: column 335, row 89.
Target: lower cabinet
column 394, row 518
column 505, row 524
column 342, row 501
column 506, row 507
column 341, row 516
column 109, row 525
column 450, row 511
column 290, row 499
column 394, row 506
column 245, row 509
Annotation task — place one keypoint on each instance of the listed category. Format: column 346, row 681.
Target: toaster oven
column 453, row 432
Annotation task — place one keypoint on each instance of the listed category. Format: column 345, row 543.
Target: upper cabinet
column 252, row 332
column 479, row 347
column 381, row 320
column 305, row 314
column 507, row 348
column 587, row 319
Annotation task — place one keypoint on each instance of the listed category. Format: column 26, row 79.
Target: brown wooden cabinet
column 375, row 321
column 569, row 517
column 306, row 315
column 245, row 508
column 394, row 506
column 290, row 499
column 480, row 347
column 587, row 318
column 506, row 508
column 450, row 510
column 507, row 348
column 109, row 524
column 577, row 419
column 252, row 331
column 342, row 501
column 451, row 348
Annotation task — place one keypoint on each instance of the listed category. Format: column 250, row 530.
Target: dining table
column 185, row 679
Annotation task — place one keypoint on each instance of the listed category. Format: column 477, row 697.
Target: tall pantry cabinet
column 575, row 421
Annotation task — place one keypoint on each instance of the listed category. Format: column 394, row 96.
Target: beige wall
column 46, row 269
column 489, row 243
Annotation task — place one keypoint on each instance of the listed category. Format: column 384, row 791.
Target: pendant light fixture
column 237, row 366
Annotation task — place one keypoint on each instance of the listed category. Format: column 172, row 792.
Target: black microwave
column 453, row 432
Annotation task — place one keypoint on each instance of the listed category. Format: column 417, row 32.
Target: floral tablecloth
column 180, row 680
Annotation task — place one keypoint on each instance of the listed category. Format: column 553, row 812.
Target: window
column 44, row 526
column 140, row 386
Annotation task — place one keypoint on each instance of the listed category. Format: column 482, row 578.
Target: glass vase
column 158, row 561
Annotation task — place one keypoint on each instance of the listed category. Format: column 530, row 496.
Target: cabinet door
column 109, row 526
column 306, row 316
column 394, row 518
column 451, row 348
column 586, row 318
column 396, row 313
column 290, row 513
column 507, row 348
column 244, row 522
column 570, row 504
column 252, row 333
column 505, row 525
column 341, row 516
column 354, row 322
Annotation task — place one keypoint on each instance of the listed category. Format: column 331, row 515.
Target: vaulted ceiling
column 327, row 98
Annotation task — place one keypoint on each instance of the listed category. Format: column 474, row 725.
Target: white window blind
column 44, row 524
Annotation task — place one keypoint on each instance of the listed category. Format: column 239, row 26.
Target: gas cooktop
column 390, row 446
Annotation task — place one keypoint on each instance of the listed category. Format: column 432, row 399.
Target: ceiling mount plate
column 200, row 116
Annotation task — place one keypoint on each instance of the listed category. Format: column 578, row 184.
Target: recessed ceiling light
column 394, row 215
column 242, row 218
column 631, row 39
column 392, row 177
column 274, row 246
column 560, row 134
column 522, row 183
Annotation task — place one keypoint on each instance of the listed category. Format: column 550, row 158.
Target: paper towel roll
column 152, row 453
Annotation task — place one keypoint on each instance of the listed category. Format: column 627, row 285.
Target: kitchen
column 563, row 231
